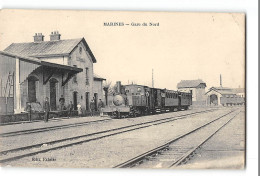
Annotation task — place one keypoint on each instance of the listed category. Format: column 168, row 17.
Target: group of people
column 62, row 107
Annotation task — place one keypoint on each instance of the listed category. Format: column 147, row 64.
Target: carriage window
column 139, row 89
column 127, row 91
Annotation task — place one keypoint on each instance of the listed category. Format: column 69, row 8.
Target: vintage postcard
column 121, row 89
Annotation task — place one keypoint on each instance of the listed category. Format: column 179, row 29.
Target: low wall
column 198, row 103
column 37, row 116
column 10, row 105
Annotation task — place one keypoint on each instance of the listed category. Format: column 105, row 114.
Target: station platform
column 53, row 122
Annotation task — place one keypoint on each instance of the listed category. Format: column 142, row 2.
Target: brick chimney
column 38, row 37
column 55, row 36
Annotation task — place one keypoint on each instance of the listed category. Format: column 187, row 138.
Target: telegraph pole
column 220, row 79
column 152, row 79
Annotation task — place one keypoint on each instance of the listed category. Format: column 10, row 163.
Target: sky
column 185, row 46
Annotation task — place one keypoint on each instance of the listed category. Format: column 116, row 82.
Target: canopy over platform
column 29, row 64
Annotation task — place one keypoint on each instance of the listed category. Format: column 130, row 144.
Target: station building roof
column 222, row 90
column 98, row 78
column 48, row 48
column 190, row 83
column 29, row 64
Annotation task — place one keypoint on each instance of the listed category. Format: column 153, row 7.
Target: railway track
column 38, row 130
column 30, row 150
column 180, row 149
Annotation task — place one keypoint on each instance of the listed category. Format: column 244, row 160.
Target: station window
column 87, row 76
column 80, row 50
column 69, row 61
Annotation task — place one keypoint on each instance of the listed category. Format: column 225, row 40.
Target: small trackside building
column 196, row 88
column 224, row 96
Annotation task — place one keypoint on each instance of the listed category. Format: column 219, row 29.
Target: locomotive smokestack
column 118, row 87
column 152, row 80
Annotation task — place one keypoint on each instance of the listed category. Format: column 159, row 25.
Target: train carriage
column 185, row 100
column 171, row 100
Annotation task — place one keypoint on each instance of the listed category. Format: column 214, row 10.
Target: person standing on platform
column 92, row 108
column 46, row 109
column 100, row 106
column 79, row 110
column 70, row 109
column 62, row 103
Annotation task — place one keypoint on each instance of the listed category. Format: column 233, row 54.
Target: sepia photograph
column 122, row 89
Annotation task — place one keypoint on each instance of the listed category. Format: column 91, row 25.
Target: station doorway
column 213, row 99
column 32, row 87
column 95, row 100
column 75, row 100
column 53, row 94
column 87, row 101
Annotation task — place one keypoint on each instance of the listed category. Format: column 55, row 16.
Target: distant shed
column 196, row 87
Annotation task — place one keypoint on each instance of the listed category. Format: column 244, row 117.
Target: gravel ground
column 225, row 150
column 110, row 151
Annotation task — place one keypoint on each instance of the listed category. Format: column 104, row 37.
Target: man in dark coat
column 46, row 109
column 100, row 106
column 62, row 103
column 92, row 107
column 70, row 107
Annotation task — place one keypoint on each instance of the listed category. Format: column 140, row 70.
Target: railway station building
column 54, row 69
column 196, row 88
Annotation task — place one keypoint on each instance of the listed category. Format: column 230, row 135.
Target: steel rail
column 38, row 130
column 190, row 152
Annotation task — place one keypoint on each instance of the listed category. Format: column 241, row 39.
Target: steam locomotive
column 136, row 100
